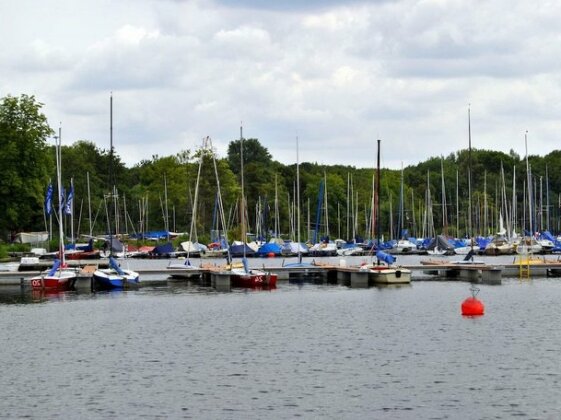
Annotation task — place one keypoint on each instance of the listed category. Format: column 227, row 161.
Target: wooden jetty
column 475, row 272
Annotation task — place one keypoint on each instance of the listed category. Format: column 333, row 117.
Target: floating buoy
column 473, row 306
column 271, row 255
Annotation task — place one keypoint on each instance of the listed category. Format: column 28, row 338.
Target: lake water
column 308, row 351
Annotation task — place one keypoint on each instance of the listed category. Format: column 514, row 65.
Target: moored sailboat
column 113, row 277
column 244, row 276
column 384, row 271
column 59, row 277
column 252, row 278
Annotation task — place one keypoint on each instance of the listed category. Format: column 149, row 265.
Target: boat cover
column 387, row 258
column 54, row 268
column 163, row 249
column 269, row 248
column 441, row 242
column 115, row 266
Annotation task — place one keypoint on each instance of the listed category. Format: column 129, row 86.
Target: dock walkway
column 329, row 272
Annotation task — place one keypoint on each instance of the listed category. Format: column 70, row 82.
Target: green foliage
column 24, row 161
column 28, row 163
column 3, row 252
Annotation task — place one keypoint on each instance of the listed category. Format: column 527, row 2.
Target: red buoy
column 271, row 255
column 473, row 306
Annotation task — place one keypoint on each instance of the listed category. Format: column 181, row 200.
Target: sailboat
column 187, row 270
column 59, row 277
column 403, row 244
column 244, row 276
column 113, row 277
column 299, row 245
column 384, row 271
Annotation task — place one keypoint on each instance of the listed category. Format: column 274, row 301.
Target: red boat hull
column 54, row 284
column 86, row 255
column 255, row 281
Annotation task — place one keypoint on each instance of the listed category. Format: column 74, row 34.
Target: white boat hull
column 389, row 275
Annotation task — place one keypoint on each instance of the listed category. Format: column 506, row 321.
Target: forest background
column 336, row 200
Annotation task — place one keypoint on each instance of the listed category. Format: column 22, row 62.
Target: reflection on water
column 303, row 350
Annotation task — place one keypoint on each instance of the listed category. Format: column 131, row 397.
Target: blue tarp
column 426, row 242
column 269, row 248
column 163, row 249
column 54, row 268
column 547, row 235
column 115, row 266
column 238, row 250
column 482, row 242
column 154, row 235
column 88, row 247
column 387, row 258
column 387, row 245
column 84, row 247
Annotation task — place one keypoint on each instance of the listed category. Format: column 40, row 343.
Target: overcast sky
column 337, row 74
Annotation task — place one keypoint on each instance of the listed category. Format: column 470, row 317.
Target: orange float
column 473, row 306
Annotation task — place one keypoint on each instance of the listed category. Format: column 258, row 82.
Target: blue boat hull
column 109, row 279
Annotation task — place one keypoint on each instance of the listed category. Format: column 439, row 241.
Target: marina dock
column 217, row 276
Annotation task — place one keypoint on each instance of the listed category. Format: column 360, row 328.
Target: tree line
column 431, row 197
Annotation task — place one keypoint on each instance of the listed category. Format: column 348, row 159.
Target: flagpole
column 60, row 197
column 45, row 215
column 72, row 210
column 89, row 204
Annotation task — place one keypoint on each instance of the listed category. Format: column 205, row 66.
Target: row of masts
column 530, row 209
column 479, row 220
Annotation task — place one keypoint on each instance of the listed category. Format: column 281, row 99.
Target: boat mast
column 111, row 183
column 546, row 199
column 298, row 201
column 325, row 204
column 377, row 200
column 206, row 144
column 470, row 233
column 166, row 215
column 277, row 221
column 242, row 203
column 457, row 204
column 514, row 201
column 400, row 223
column 529, row 185
column 58, row 147
column 89, row 203
column 348, row 201
column 71, row 209
column 444, row 204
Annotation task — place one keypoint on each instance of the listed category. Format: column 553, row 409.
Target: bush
column 3, row 251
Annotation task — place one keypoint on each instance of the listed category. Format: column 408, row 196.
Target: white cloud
column 337, row 74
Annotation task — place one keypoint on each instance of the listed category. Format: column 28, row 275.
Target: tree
column 259, row 174
column 26, row 165
column 79, row 160
column 253, row 152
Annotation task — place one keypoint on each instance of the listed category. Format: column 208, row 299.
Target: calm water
column 311, row 351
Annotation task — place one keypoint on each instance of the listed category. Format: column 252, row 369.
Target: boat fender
column 398, row 273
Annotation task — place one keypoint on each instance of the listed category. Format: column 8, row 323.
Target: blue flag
column 62, row 199
column 49, row 200
column 68, row 205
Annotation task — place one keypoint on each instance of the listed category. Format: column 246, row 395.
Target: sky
column 336, row 75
